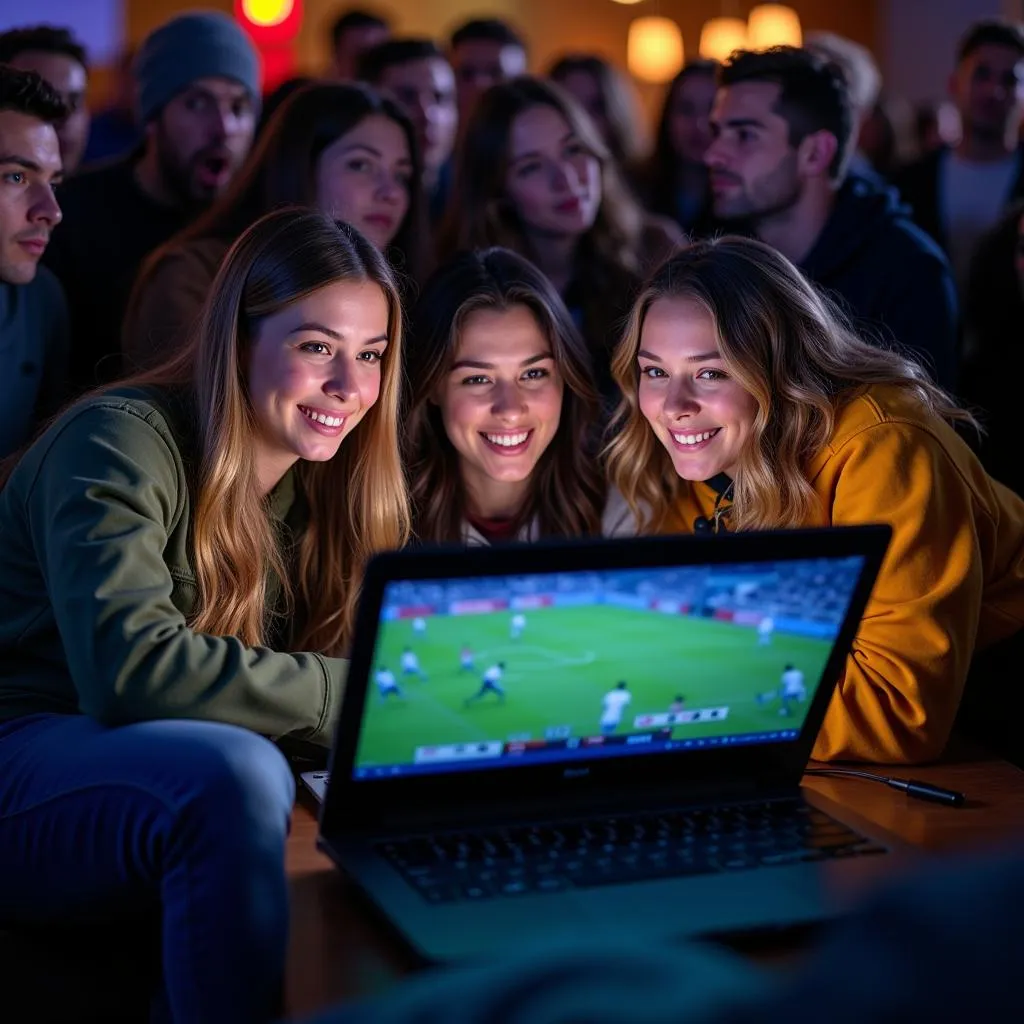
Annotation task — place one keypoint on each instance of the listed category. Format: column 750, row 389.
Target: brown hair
column 567, row 493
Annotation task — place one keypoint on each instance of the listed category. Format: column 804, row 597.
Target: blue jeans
column 188, row 818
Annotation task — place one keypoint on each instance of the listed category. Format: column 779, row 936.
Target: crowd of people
column 431, row 298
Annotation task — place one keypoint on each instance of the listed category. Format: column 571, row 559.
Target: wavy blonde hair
column 790, row 348
column 357, row 502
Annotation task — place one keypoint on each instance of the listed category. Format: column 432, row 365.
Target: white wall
column 917, row 40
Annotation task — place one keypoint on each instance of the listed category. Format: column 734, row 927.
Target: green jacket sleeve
column 108, row 492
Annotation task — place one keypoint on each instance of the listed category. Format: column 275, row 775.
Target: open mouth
column 693, row 441
column 508, row 442
column 214, row 170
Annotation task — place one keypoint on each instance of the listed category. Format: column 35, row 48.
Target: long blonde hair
column 790, row 348
column 357, row 502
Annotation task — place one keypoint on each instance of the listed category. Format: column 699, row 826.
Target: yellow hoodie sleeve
column 901, row 688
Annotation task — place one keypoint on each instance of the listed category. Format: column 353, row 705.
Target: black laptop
column 596, row 739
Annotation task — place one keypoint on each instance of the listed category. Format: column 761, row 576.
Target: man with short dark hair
column 484, row 52
column 33, row 318
column 419, row 76
column 957, row 194
column 783, row 128
column 352, row 34
column 59, row 59
column 198, row 84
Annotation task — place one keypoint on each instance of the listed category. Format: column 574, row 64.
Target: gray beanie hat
column 201, row 44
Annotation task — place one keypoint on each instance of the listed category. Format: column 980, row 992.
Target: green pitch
column 566, row 660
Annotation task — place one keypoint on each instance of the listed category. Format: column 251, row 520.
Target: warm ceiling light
column 720, row 36
column 627, row 1
column 267, row 12
column 773, row 25
column 654, row 49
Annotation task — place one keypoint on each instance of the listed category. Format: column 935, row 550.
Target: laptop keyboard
column 508, row 862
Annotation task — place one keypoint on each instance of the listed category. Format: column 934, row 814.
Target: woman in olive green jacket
column 161, row 545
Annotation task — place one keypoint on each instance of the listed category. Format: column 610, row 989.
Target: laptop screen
column 503, row 671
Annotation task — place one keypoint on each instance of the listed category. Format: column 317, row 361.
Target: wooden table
column 339, row 952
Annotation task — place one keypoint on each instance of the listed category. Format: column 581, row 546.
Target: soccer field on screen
column 558, row 671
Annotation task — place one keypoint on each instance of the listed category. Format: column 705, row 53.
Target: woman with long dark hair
column 674, row 182
column 165, row 546
column 749, row 404
column 534, row 176
column 500, row 433
column 343, row 149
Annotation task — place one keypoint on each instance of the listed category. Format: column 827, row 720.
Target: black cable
column 912, row 787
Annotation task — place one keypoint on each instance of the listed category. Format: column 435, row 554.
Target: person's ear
column 815, row 155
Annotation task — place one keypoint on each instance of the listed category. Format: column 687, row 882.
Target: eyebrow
column 699, row 358
column 7, row 159
column 529, row 154
column 373, row 151
column 472, row 364
column 313, row 327
column 741, row 122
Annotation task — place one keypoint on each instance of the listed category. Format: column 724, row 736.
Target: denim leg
column 186, row 817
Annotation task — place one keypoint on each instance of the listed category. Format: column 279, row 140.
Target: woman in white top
column 502, row 426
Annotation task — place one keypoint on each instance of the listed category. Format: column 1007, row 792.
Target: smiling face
column 314, row 372
column 501, row 404
column 696, row 410
column 365, row 178
column 553, row 179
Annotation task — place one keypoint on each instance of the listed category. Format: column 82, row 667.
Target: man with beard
column 198, row 94
column 782, row 127
column 958, row 194
column 33, row 320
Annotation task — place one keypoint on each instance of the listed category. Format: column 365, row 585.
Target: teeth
column 693, row 438
column 507, row 440
column 319, row 417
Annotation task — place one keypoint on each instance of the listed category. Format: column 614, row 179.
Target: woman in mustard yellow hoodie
column 750, row 404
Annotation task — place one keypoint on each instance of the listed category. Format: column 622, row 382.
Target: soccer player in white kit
column 387, row 684
column 419, row 626
column 411, row 664
column 613, row 703
column 491, row 683
column 765, row 628
column 466, row 659
column 517, row 626
column 791, row 687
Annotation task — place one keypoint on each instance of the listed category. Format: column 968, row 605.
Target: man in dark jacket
column 198, row 93
column 958, row 194
column 783, row 131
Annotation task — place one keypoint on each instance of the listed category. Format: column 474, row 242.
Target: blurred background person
column 608, row 96
column 352, row 34
column 675, row 182
column 958, row 192
column 59, row 59
column 484, row 52
column 198, row 80
column 418, row 75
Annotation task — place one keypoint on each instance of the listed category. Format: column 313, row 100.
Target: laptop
column 593, row 740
